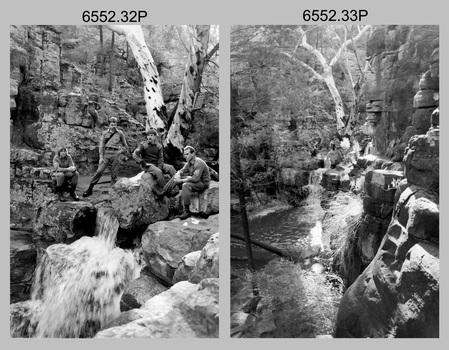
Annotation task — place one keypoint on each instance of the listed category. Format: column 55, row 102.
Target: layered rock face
column 397, row 295
column 403, row 61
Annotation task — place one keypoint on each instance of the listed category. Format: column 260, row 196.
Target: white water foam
column 79, row 286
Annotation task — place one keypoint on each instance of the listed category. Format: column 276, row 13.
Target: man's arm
column 137, row 156
column 72, row 166
column 56, row 164
column 160, row 158
column 122, row 136
column 198, row 169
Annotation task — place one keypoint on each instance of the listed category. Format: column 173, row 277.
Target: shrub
column 340, row 224
column 303, row 303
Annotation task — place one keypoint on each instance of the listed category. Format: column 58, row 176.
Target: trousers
column 111, row 159
column 63, row 177
column 187, row 189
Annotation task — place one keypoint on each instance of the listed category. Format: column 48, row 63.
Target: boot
column 186, row 213
column 60, row 194
column 73, row 194
column 89, row 191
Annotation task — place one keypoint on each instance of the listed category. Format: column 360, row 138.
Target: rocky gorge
column 390, row 262
column 166, row 282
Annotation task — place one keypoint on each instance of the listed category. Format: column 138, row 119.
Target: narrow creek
column 296, row 229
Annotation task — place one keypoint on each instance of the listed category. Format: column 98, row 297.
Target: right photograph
column 334, row 181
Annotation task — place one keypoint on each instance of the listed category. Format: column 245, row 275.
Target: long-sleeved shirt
column 150, row 153
column 60, row 163
column 196, row 170
column 116, row 141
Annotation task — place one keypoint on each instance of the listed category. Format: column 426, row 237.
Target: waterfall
column 312, row 243
column 78, row 287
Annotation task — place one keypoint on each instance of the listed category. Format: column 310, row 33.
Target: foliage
column 340, row 224
column 303, row 303
column 271, row 93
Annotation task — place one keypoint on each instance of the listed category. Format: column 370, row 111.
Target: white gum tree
column 327, row 66
column 176, row 130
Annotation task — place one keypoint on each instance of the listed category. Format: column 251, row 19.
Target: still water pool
column 288, row 229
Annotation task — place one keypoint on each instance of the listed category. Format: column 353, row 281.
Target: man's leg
column 60, row 178
column 114, row 169
column 157, row 173
column 96, row 177
column 186, row 195
column 74, row 177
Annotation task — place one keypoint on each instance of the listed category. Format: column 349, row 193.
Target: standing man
column 110, row 149
column 65, row 170
column 193, row 177
column 150, row 155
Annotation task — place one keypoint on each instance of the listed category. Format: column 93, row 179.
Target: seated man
column 65, row 170
column 193, row 177
column 149, row 154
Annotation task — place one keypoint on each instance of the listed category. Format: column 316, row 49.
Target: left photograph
column 114, row 181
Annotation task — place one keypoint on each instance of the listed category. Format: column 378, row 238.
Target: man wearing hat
column 150, row 155
column 193, row 177
column 111, row 143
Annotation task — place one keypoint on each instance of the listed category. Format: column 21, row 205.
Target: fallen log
column 270, row 248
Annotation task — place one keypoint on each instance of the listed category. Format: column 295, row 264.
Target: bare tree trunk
column 242, row 201
column 180, row 126
column 101, row 52
column 154, row 102
column 111, row 56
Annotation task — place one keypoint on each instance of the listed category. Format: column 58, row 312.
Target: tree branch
column 347, row 42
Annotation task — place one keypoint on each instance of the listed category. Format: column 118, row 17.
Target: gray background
column 224, row 13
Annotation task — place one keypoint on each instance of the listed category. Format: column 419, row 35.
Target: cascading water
column 77, row 287
column 312, row 243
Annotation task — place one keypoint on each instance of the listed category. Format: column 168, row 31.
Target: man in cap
column 193, row 177
column 150, row 155
column 111, row 142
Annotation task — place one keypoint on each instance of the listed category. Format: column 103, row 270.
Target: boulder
column 134, row 202
column 64, row 221
column 207, row 265
column 186, row 266
column 140, row 290
column 425, row 99
column 421, row 118
column 402, row 301
column 164, row 243
column 427, row 82
column 418, row 211
column 186, row 310
column 380, row 184
column 331, row 180
column 206, row 202
column 422, row 162
column 398, row 293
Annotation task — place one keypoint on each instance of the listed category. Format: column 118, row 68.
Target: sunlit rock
column 186, row 310
column 164, row 243
column 134, row 202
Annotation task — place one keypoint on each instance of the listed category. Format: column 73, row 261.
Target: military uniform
column 151, row 159
column 198, row 179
